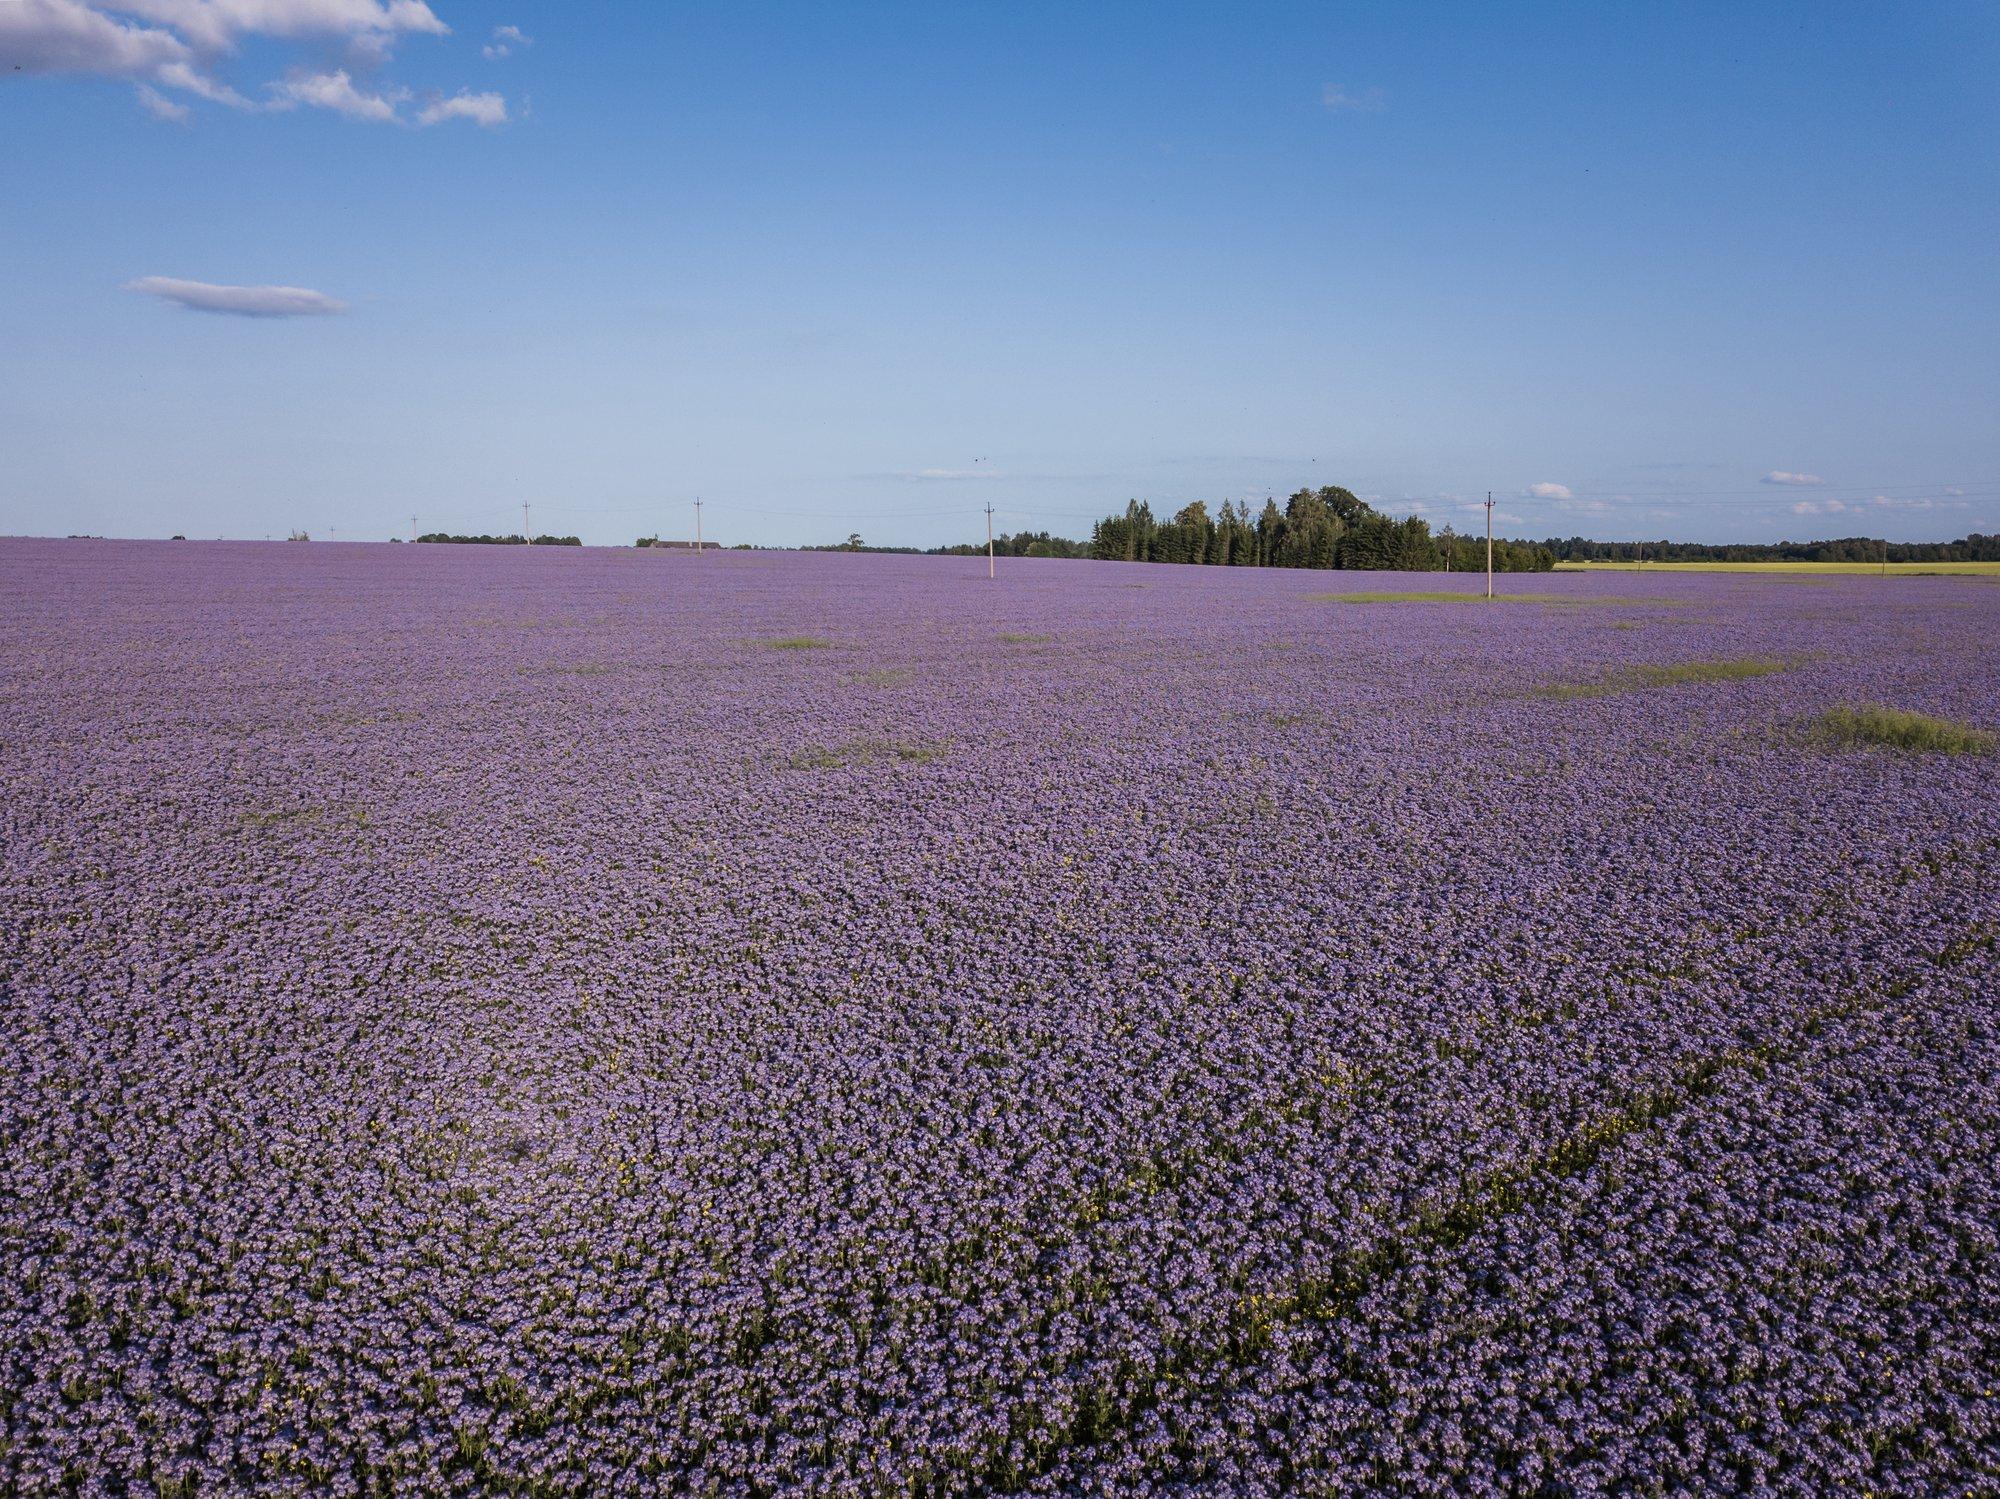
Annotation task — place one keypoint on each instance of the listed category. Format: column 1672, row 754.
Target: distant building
column 678, row 546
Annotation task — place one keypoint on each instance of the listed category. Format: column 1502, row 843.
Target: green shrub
column 1899, row 729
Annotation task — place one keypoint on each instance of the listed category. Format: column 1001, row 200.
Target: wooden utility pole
column 1489, row 543
column 989, row 538
column 527, row 534
column 697, row 525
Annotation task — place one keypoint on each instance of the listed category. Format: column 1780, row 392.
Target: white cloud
column 482, row 109
column 176, row 45
column 217, row 25
column 1780, row 476
column 239, row 301
column 1953, row 489
column 1344, row 101
column 1822, row 507
column 956, row 473
column 66, row 36
column 161, row 107
column 1550, row 491
column 1584, row 507
column 505, row 40
column 335, row 91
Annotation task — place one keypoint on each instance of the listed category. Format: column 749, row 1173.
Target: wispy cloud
column 1781, row 476
column 1921, row 502
column 954, row 473
column 239, row 301
column 160, row 107
column 1342, row 100
column 486, row 110
column 1547, row 491
column 1822, row 507
column 505, row 40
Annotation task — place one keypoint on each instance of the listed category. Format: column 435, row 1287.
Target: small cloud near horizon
column 1546, row 491
column 954, row 473
column 239, row 301
column 1923, row 502
column 1781, row 476
column 1822, row 507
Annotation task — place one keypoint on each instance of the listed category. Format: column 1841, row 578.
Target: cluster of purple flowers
column 591, row 1022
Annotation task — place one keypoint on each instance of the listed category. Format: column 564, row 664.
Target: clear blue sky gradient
column 791, row 257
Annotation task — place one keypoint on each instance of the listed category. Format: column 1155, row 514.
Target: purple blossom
column 482, row 1019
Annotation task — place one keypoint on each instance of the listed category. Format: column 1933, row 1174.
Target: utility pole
column 413, row 528
column 527, row 535
column 697, row 525
column 1489, row 543
column 989, row 538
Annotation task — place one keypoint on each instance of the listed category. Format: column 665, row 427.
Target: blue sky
column 872, row 268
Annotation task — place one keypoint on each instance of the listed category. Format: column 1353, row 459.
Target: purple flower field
column 566, row 1021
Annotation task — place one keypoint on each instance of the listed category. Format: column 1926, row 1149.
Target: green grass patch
column 1012, row 639
column 881, row 676
column 1681, row 674
column 1877, row 727
column 796, row 643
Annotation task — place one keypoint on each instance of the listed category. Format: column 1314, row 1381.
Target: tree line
column 1973, row 548
column 1329, row 527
